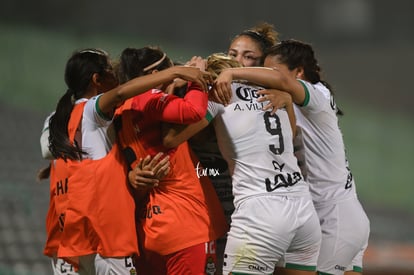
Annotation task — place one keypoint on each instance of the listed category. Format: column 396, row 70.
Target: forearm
column 136, row 86
column 265, row 77
column 178, row 134
column 144, row 83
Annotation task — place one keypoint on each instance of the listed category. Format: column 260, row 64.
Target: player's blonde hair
column 217, row 62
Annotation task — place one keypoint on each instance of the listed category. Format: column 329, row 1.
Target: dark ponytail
column 59, row 144
column 78, row 75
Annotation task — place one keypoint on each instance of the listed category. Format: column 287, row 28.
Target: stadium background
column 365, row 47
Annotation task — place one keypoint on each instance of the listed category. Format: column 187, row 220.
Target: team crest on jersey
column 210, row 266
column 132, row 271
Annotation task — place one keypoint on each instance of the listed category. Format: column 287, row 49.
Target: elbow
column 169, row 142
column 120, row 96
column 195, row 115
column 201, row 113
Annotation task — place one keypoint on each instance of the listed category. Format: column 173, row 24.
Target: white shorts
column 265, row 228
column 345, row 233
column 61, row 267
column 116, row 266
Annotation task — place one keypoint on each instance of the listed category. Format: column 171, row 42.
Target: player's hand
column 148, row 172
column 195, row 75
column 159, row 165
column 198, row 62
column 221, row 91
column 274, row 99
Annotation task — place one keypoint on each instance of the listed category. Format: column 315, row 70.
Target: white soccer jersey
column 44, row 138
column 98, row 134
column 258, row 147
column 320, row 148
column 95, row 135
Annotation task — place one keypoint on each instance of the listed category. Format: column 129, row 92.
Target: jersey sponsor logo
column 277, row 166
column 282, row 180
column 257, row 267
column 61, row 187
column 65, row 267
column 248, row 94
column 150, row 211
column 129, row 264
column 349, row 181
column 61, row 220
column 349, row 178
column 339, row 267
column 332, row 103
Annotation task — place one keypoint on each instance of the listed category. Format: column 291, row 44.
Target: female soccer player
column 274, row 218
column 250, row 46
column 181, row 214
column 321, row 154
column 94, row 207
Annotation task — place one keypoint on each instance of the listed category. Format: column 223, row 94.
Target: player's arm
column 271, row 78
column 113, row 98
column 175, row 134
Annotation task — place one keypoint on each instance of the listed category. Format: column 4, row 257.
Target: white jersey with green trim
column 258, row 147
column 319, row 147
column 96, row 135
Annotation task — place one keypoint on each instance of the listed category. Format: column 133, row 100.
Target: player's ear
column 300, row 73
column 96, row 79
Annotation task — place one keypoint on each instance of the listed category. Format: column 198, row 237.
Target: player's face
column 274, row 62
column 246, row 51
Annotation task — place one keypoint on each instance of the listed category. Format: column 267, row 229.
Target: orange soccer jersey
column 181, row 211
column 53, row 231
column 93, row 203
